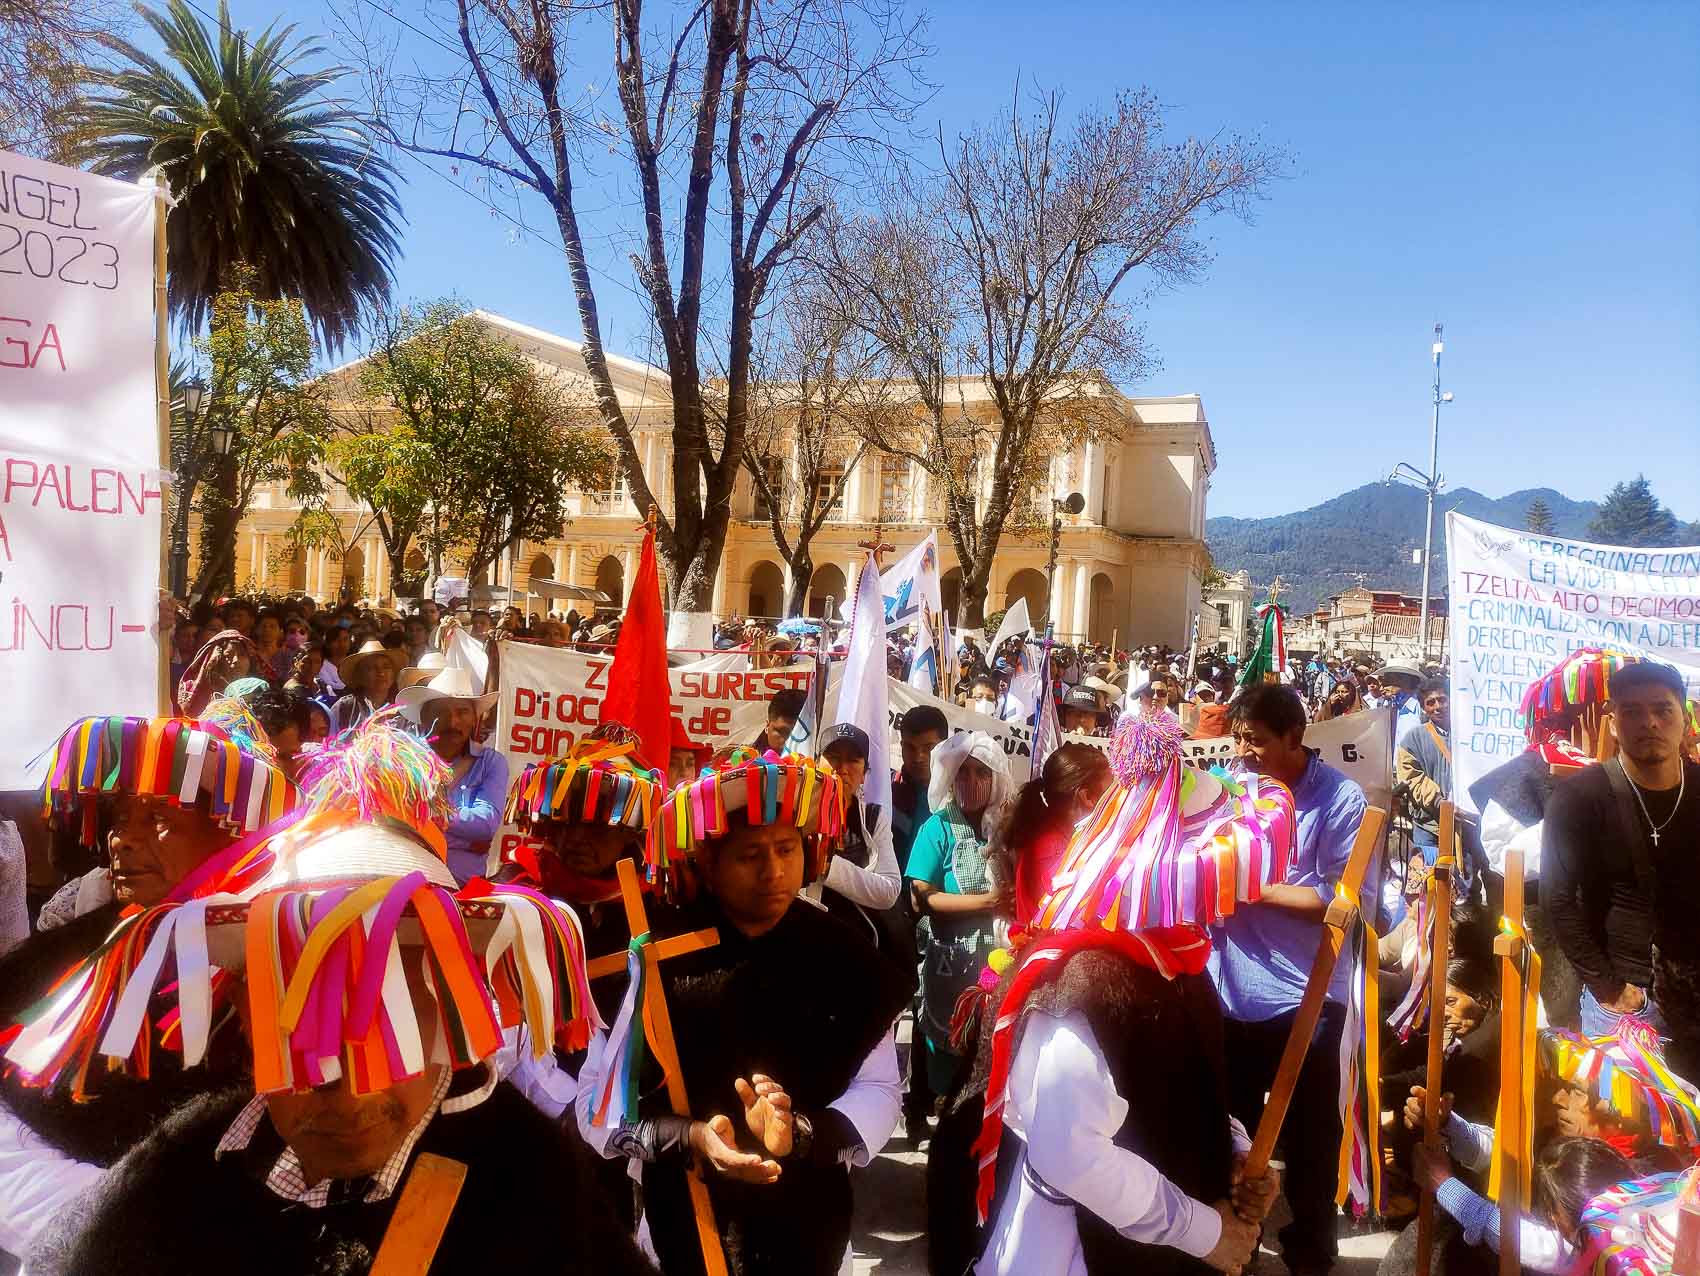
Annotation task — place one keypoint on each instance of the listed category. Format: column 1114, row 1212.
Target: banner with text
column 550, row 697
column 80, row 465
column 1522, row 602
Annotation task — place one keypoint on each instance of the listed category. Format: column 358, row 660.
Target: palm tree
column 263, row 170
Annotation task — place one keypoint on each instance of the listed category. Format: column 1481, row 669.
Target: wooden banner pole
column 1340, row 914
column 162, row 415
column 1509, row 948
column 1440, row 950
column 658, row 1026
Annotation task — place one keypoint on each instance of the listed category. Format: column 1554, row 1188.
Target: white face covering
column 983, row 706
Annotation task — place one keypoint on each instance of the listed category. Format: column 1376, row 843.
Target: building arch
column 827, row 582
column 354, row 571
column 611, row 580
column 542, row 566
column 767, row 590
column 950, row 592
column 1101, row 608
column 1028, row 583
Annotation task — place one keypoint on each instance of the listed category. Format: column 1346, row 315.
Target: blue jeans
column 1597, row 1021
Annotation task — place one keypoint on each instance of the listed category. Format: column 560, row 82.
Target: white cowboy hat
column 448, row 684
column 352, row 662
column 430, row 665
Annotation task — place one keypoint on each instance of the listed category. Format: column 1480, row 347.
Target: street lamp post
column 1431, row 482
column 1073, row 503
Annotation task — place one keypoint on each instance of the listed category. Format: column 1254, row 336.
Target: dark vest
column 529, row 1204
column 121, row 1109
column 1162, row 1040
column 804, row 1003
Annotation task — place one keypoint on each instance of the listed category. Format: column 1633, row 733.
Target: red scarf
column 1179, row 950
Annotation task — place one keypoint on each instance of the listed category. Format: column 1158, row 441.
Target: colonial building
column 1226, row 616
column 1128, row 566
column 1372, row 622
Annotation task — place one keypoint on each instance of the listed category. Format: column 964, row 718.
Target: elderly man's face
column 755, row 871
column 450, row 724
column 156, row 844
column 779, row 731
column 337, row 1134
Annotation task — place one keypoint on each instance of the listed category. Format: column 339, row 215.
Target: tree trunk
column 802, row 571
column 971, row 610
column 218, row 533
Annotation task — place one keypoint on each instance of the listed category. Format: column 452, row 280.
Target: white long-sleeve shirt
column 37, row 1182
column 549, row 1086
column 1500, row 833
column 872, row 1101
column 877, row 886
column 1062, row 1103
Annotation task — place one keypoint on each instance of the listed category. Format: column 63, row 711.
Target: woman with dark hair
column 1036, row 831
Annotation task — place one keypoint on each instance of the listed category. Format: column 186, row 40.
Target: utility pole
column 1431, row 482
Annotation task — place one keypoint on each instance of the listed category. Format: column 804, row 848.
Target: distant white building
column 1226, row 613
column 1129, row 566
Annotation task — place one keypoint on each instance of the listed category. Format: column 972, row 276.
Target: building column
column 560, row 561
column 1092, row 482
column 853, row 495
column 718, row 606
column 572, row 564
column 1082, row 599
column 628, row 570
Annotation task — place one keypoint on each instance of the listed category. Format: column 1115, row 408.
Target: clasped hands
column 768, row 1118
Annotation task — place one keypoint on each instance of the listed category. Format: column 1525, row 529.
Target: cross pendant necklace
column 1681, row 788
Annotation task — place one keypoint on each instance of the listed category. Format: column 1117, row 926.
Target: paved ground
column 889, row 1234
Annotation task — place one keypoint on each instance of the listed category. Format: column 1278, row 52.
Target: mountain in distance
column 1372, row 529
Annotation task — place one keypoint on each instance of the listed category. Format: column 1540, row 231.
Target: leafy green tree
column 264, row 172
column 1539, row 519
column 257, row 362
column 44, row 47
column 468, row 446
column 1632, row 515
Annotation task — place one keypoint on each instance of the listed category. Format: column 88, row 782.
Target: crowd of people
column 1094, row 1040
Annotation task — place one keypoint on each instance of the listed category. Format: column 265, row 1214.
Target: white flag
column 924, row 660
column 1047, row 731
column 909, row 585
column 1015, row 623
column 862, row 695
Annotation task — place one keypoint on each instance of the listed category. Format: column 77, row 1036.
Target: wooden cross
column 658, row 1030
column 877, row 547
column 1340, row 914
column 1440, row 952
column 1510, row 1136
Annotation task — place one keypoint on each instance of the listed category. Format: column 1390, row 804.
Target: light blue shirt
column 1261, row 956
column 476, row 803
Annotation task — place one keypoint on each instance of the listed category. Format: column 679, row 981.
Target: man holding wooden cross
column 1262, row 958
column 782, row 1029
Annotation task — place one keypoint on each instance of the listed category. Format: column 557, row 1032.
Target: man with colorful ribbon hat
column 373, row 994
column 171, row 793
column 783, row 1030
column 1561, row 712
column 1106, row 1144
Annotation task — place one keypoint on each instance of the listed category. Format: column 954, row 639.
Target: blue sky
column 1525, row 173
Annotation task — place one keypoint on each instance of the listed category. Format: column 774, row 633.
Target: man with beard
column 783, row 1028
column 448, row 710
column 54, row 1141
column 1622, row 866
column 306, row 1168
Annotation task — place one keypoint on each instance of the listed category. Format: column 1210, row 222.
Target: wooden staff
column 658, row 1029
column 162, row 414
column 1340, row 914
column 1510, row 949
column 1440, row 884
column 421, row 1217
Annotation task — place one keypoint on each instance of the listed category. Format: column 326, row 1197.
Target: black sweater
column 1602, row 913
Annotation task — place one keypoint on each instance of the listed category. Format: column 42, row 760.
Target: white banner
column 80, row 469
column 550, row 697
column 1521, row 603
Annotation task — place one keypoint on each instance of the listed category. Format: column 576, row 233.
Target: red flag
column 639, row 693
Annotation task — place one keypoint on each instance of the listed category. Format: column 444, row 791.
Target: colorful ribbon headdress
column 1141, row 862
column 597, row 781
column 318, row 912
column 223, row 756
column 1628, row 1073
column 760, row 788
column 1581, row 679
